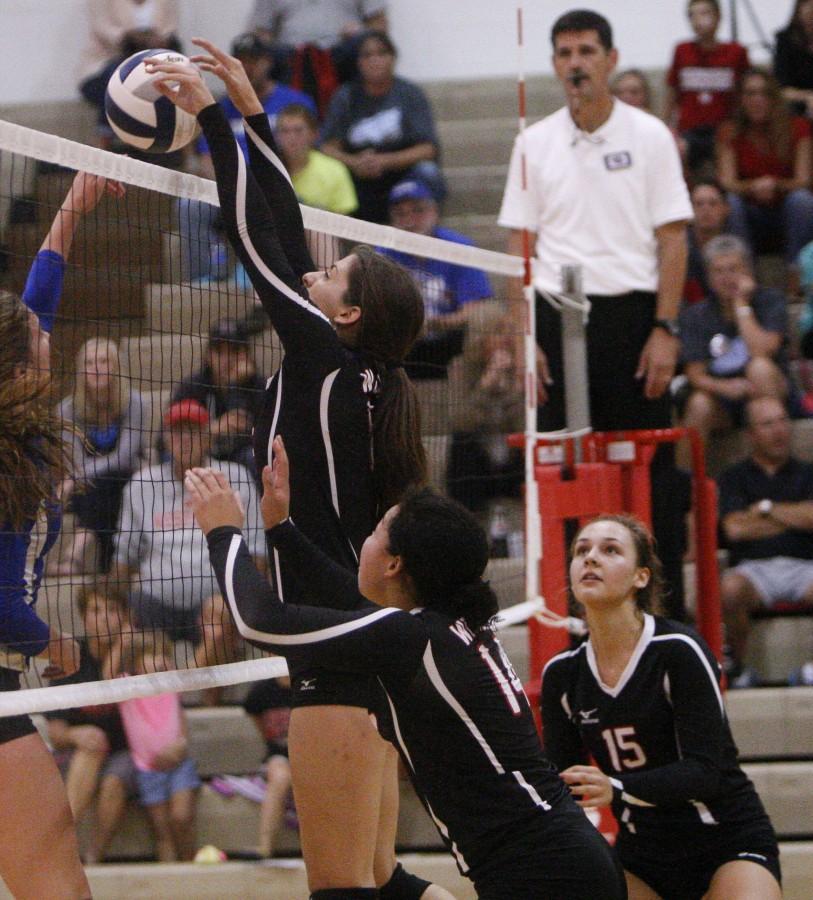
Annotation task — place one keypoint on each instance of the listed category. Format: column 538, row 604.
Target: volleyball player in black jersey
column 447, row 698
column 350, row 420
column 642, row 698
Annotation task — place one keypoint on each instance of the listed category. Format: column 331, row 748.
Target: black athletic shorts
column 675, row 877
column 320, row 687
column 561, row 856
column 13, row 727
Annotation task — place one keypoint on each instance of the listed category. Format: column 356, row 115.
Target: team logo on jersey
column 588, row 716
column 307, row 684
column 616, row 161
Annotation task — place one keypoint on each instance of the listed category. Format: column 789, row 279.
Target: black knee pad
column 348, row 893
column 404, row 886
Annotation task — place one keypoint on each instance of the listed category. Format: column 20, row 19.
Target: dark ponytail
column 391, row 319
column 444, row 551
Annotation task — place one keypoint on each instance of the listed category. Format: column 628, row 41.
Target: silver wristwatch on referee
column 670, row 326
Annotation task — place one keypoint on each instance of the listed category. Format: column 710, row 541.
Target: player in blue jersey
column 642, row 699
column 39, row 855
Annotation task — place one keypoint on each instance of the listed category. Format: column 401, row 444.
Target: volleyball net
column 155, row 307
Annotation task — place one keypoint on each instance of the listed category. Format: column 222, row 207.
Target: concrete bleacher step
column 475, row 189
column 488, row 97
column 786, row 789
column 778, row 646
column 477, row 142
column 193, row 309
column 483, row 229
column 772, row 722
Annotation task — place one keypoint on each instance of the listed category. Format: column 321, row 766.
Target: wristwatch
column 670, row 326
column 765, row 507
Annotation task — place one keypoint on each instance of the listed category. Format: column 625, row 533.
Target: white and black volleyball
column 138, row 114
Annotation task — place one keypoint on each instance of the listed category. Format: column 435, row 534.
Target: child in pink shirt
column 167, row 777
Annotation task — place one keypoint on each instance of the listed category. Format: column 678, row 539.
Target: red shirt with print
column 706, row 82
column 756, row 154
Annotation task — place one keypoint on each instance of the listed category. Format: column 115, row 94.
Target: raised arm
column 43, row 287
column 251, row 226
column 374, row 641
column 266, row 164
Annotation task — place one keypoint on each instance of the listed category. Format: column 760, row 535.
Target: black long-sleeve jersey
column 321, row 399
column 449, row 699
column 660, row 734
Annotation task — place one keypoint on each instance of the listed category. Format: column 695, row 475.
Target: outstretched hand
column 182, row 83
column 230, row 71
column 276, row 501
column 212, row 500
column 87, row 190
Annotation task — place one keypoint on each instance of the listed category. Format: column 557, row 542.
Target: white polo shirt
column 596, row 199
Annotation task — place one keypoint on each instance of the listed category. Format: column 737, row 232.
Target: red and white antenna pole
column 533, row 531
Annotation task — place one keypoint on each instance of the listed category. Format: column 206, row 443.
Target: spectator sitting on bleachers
column 710, row 206
column 161, row 557
column 269, row 705
column 204, row 253
column 766, row 517
column 451, row 293
column 320, row 37
column 318, row 179
column 733, row 342
column 117, row 29
column 632, row 87
column 166, row 775
column 105, row 426
column 381, row 127
column 230, row 389
column 764, row 161
column 481, row 465
column 793, row 59
column 702, row 82
column 89, row 741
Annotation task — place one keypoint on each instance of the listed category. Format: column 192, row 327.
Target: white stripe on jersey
column 705, row 813
column 628, row 798
column 269, row 456
column 242, row 231
column 324, row 405
column 267, row 152
column 702, row 657
column 563, row 655
column 440, row 687
column 309, row 637
column 441, row 826
column 531, row 790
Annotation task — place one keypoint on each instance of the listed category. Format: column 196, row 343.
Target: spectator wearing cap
column 451, row 293
column 204, row 254
column 161, row 557
column 229, row 389
column 734, row 344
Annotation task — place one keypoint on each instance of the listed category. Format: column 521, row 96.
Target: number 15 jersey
column 660, row 733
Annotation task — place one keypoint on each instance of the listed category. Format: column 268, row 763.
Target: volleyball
column 139, row 114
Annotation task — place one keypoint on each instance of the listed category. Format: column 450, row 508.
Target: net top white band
column 60, row 151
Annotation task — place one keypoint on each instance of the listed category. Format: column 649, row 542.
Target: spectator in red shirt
column 764, row 161
column 702, row 83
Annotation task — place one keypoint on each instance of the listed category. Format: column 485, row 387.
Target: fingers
column 280, row 458
column 213, row 49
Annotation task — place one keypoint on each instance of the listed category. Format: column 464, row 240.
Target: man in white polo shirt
column 606, row 192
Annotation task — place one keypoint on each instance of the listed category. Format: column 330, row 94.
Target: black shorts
column 13, row 727
column 320, row 687
column 560, row 856
column 688, row 877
